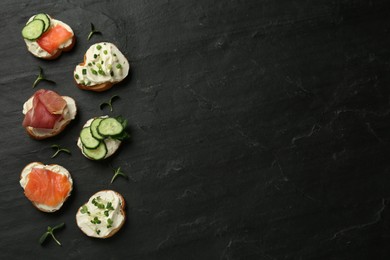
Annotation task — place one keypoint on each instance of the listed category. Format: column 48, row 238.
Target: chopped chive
column 118, row 66
column 112, row 73
column 84, row 71
column 94, row 72
column 114, row 54
column 95, row 56
column 98, row 47
column 102, row 61
column 76, row 76
column 101, row 72
column 89, row 64
column 105, row 52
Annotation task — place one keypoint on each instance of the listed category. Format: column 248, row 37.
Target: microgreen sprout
column 41, row 77
column 109, row 103
column 58, row 150
column 50, row 231
column 118, row 172
column 93, row 31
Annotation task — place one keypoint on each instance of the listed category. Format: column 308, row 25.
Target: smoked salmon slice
column 47, row 187
column 47, row 109
column 51, row 40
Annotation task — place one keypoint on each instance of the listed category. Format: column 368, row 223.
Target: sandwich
column 104, row 66
column 46, row 37
column 101, row 137
column 103, row 215
column 46, row 186
column 47, row 113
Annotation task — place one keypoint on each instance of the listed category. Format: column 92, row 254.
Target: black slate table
column 260, row 130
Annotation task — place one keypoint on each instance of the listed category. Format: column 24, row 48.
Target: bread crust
column 122, row 211
column 36, row 205
column 64, row 123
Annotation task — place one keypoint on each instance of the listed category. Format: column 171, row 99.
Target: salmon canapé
column 51, row 40
column 47, row 187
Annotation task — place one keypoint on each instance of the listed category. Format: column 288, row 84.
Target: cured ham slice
column 53, row 102
column 47, row 187
column 51, row 40
column 47, row 109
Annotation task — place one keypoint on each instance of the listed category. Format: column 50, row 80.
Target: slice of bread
column 112, row 145
column 34, row 48
column 93, row 221
column 24, row 179
column 68, row 115
column 104, row 65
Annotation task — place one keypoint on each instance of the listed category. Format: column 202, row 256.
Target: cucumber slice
column 45, row 18
column 87, row 139
column 96, row 154
column 109, row 127
column 94, row 126
column 33, row 30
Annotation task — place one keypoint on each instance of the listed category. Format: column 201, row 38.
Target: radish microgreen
column 41, row 77
column 93, row 31
column 50, row 231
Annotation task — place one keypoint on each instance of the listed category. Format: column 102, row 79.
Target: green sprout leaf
column 58, row 150
column 93, row 31
column 41, row 77
column 50, row 231
column 118, row 172
column 109, row 103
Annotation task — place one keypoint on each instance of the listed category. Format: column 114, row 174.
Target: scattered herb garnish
column 109, row 222
column 118, row 172
column 84, row 210
column 95, row 202
column 50, row 231
column 93, row 31
column 109, row 206
column 109, row 103
column 97, row 231
column 59, row 149
column 41, row 77
column 96, row 220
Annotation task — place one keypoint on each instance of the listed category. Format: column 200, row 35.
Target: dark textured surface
column 260, row 130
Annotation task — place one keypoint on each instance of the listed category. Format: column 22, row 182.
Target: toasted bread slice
column 112, row 145
column 68, row 115
column 103, row 66
column 102, row 222
column 36, row 50
column 24, row 179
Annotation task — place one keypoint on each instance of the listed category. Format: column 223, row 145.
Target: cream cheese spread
column 101, row 214
column 103, row 62
column 34, row 47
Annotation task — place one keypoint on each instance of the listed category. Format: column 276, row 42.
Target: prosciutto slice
column 47, row 109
